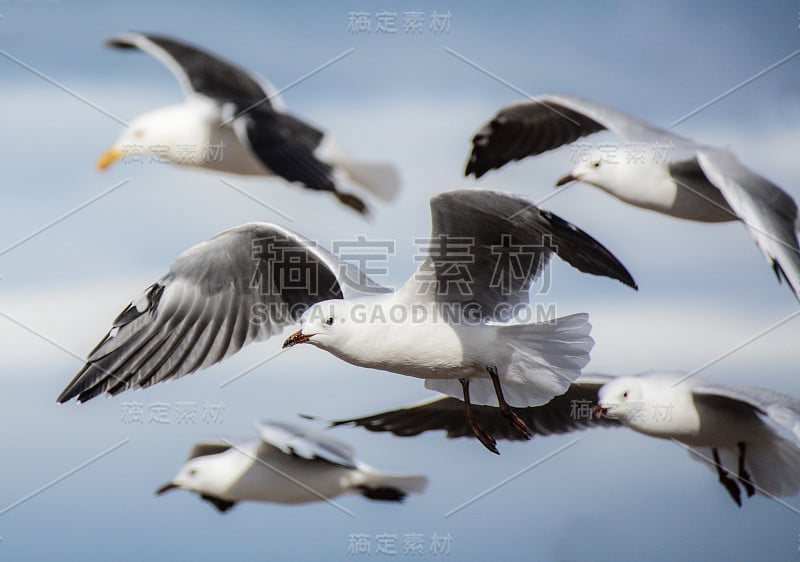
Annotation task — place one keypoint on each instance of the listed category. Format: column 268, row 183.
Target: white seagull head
column 611, row 172
column 201, row 475
column 321, row 325
column 621, row 398
column 168, row 134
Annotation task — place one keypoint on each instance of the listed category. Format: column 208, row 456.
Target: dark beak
column 569, row 178
column 294, row 339
column 166, row 488
column 598, row 412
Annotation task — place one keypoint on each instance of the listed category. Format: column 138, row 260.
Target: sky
column 76, row 245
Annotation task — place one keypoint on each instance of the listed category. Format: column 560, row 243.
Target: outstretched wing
column 310, row 445
column 246, row 284
column 780, row 409
column 768, row 212
column 487, row 247
column 201, row 72
column 286, row 146
column 563, row 414
column 548, row 122
column 204, row 449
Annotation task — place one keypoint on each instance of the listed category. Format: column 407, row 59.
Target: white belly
column 427, row 350
column 287, row 480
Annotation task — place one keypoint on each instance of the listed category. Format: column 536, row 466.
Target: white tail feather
column 545, row 359
column 379, row 178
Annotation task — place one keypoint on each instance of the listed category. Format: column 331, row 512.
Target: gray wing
column 306, row 444
column 487, row 247
column 207, row 449
column 548, row 122
column 201, row 72
column 245, row 284
column 768, row 212
column 563, row 414
column 780, row 409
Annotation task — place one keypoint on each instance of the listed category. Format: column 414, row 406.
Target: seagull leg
column 727, row 481
column 487, row 440
column 744, row 476
column 508, row 412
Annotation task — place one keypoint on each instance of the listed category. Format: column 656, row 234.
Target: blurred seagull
column 749, row 436
column 689, row 180
column 233, row 122
column 286, row 465
column 457, row 328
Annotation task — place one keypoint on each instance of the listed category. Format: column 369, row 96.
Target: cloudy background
column 704, row 289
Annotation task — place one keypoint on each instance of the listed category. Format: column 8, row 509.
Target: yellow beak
column 109, row 158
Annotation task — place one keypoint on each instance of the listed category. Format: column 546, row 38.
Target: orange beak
column 109, row 158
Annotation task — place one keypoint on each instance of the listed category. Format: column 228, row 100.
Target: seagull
column 286, row 465
column 231, row 121
column 749, row 436
column 571, row 411
column 682, row 178
column 455, row 322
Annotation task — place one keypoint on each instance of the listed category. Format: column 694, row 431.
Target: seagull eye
column 625, row 394
column 192, row 472
column 329, row 321
column 596, row 164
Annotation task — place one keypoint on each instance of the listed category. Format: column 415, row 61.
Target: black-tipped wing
column 548, row 122
column 487, row 247
column 768, row 212
column 286, row 145
column 222, row 505
column 245, row 284
column 198, row 71
column 563, row 414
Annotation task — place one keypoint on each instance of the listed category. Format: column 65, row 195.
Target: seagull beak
column 166, row 488
column 569, row 178
column 294, row 339
column 598, row 412
column 109, row 158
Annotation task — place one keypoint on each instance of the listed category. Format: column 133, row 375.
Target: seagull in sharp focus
column 749, row 436
column 231, row 121
column 285, row 465
column 675, row 175
column 462, row 322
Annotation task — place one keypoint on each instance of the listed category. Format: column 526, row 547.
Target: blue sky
column 704, row 289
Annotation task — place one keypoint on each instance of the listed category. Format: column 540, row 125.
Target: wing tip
column 125, row 40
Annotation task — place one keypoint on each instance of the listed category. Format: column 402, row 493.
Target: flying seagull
column 749, row 436
column 457, row 327
column 231, row 121
column 571, row 411
column 286, row 465
column 682, row 178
